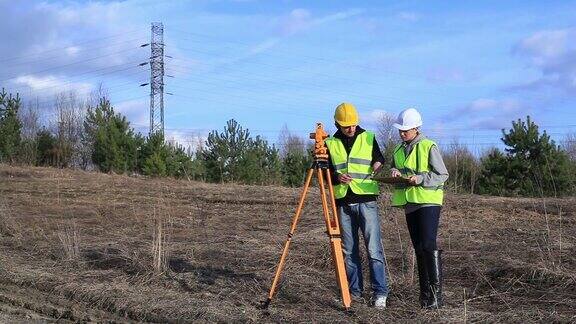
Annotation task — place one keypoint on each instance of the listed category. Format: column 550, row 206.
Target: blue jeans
column 363, row 217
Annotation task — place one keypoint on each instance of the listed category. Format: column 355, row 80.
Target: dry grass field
column 78, row 246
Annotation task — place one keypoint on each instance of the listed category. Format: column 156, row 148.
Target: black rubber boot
column 425, row 292
column 433, row 261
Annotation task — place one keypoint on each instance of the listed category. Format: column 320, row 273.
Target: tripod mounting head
column 320, row 150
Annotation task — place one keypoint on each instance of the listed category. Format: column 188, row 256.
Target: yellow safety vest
column 358, row 165
column 415, row 163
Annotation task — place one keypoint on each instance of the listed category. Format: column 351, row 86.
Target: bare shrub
column 569, row 145
column 387, row 135
column 30, row 119
column 290, row 143
column 160, row 240
column 8, row 225
column 69, row 240
column 70, row 114
column 463, row 168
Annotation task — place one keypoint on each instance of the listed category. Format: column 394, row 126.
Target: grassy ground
column 78, row 246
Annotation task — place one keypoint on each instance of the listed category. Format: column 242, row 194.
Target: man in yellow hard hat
column 354, row 156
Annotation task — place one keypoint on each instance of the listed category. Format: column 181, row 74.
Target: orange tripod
column 320, row 166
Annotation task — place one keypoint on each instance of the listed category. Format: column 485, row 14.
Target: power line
column 283, row 69
column 451, row 108
column 260, row 104
column 107, row 46
column 113, row 102
column 324, row 89
column 338, row 63
column 74, row 63
column 299, row 55
column 293, row 83
column 129, row 86
column 130, row 67
column 72, row 45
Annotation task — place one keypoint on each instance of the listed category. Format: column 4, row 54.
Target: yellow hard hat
column 346, row 115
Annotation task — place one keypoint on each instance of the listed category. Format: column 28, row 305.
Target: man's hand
column 395, row 173
column 344, row 178
column 376, row 167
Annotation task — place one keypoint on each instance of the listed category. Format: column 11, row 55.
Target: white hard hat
column 408, row 119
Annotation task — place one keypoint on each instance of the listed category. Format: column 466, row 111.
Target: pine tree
column 223, row 152
column 233, row 156
column 294, row 167
column 493, row 179
column 10, row 127
column 260, row 163
column 296, row 159
column 532, row 166
column 46, row 155
column 114, row 143
column 153, row 155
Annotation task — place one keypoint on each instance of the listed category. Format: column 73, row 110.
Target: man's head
column 346, row 118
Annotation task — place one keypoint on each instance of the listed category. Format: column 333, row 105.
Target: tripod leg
column 332, row 200
column 333, row 230
column 289, row 239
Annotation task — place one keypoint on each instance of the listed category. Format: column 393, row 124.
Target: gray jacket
column 438, row 173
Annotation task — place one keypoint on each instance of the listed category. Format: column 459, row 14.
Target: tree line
column 92, row 135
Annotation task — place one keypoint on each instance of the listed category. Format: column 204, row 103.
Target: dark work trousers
column 423, row 227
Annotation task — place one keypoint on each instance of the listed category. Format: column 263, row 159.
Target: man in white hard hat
column 354, row 155
column 418, row 159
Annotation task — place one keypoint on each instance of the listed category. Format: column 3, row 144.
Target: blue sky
column 469, row 67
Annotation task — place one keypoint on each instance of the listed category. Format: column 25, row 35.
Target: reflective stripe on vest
column 358, row 165
column 416, row 163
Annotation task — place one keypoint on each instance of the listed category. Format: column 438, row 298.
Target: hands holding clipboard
column 395, row 178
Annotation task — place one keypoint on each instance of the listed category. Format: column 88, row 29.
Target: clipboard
column 393, row 180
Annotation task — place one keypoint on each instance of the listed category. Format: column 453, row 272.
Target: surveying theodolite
column 320, row 166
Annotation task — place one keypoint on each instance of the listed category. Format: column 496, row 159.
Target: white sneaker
column 380, row 302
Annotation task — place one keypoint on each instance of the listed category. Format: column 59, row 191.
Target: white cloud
column 339, row 16
column 370, row 24
column 546, row 46
column 103, row 38
column 72, row 50
column 489, row 113
column 553, row 53
column 481, row 104
column 50, row 85
column 298, row 20
column 301, row 19
column 295, row 22
column 264, row 46
column 492, row 105
column 446, row 74
column 377, row 114
column 189, row 140
column 409, row 16
column 91, row 13
column 374, row 118
column 137, row 111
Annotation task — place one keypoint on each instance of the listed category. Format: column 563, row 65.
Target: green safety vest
column 415, row 164
column 358, row 165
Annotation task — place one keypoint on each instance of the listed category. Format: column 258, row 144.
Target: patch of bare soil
column 84, row 247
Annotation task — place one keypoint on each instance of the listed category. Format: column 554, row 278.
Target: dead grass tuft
column 70, row 240
column 9, row 227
